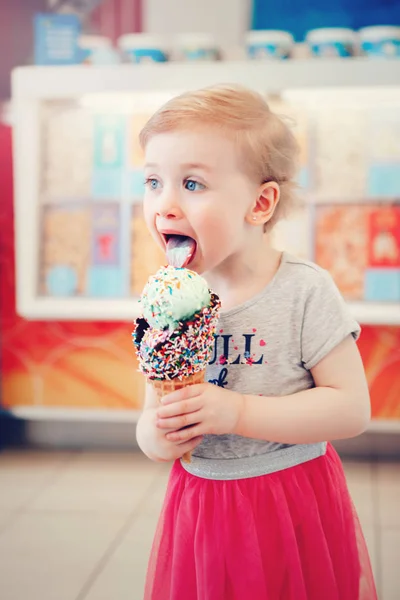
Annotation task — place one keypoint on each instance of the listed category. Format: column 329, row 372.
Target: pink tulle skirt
column 291, row 535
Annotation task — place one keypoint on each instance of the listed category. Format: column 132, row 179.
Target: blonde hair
column 268, row 147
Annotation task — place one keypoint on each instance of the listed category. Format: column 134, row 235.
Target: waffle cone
column 171, row 385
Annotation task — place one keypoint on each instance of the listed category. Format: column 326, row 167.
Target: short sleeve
column 327, row 320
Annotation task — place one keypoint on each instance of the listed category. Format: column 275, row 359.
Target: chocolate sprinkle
column 177, row 354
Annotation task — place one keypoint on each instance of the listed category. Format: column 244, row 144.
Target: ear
column 264, row 207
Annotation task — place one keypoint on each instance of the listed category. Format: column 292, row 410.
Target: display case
column 83, row 252
column 81, row 245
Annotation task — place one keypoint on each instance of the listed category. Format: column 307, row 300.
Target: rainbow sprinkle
column 177, row 354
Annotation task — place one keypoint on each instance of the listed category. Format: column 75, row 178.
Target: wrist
column 241, row 400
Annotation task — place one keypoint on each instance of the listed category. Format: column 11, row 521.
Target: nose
column 168, row 205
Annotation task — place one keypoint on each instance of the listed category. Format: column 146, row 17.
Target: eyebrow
column 186, row 166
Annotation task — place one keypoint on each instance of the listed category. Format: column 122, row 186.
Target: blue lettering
column 221, row 381
column 247, row 351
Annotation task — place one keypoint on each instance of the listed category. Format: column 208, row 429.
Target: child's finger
column 190, row 391
column 184, row 435
column 191, row 445
column 180, row 408
column 179, row 422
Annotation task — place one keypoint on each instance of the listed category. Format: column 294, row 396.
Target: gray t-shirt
column 267, row 347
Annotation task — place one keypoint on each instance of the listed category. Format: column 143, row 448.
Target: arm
column 152, row 441
column 337, row 408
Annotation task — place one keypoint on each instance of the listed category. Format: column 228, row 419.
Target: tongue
column 180, row 250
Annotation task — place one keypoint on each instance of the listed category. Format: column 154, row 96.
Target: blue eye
column 152, row 183
column 193, row 186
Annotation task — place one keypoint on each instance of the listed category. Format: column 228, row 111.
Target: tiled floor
column 78, row 526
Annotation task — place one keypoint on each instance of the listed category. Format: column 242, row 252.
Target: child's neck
column 246, row 274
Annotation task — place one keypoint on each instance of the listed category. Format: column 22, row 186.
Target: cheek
column 148, row 213
column 224, row 222
column 217, row 234
column 209, row 222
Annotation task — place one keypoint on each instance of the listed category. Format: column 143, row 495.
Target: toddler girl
column 262, row 512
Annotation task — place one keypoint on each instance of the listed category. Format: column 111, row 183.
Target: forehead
column 205, row 146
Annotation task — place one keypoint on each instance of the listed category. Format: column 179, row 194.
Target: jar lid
column 274, row 36
column 378, row 32
column 331, row 34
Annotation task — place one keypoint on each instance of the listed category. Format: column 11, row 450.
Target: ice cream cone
column 175, row 335
column 171, row 385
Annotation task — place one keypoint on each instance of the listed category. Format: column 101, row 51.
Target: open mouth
column 180, row 249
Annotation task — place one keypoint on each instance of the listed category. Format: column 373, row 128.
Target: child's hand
column 154, row 443
column 200, row 409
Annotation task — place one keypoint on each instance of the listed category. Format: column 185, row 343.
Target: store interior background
column 78, row 503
